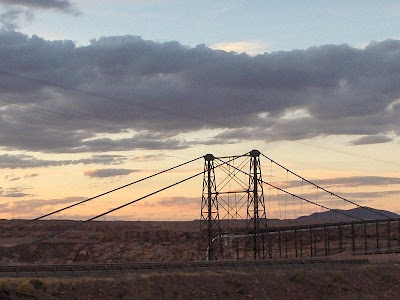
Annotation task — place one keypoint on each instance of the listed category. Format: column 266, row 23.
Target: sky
column 97, row 94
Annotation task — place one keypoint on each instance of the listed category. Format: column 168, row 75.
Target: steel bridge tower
column 256, row 221
column 213, row 236
column 210, row 227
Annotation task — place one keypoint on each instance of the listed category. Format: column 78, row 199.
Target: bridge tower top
column 254, row 153
column 209, row 157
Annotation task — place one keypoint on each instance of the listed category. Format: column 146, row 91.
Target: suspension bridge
column 234, row 221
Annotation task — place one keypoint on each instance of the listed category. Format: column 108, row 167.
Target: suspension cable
column 301, row 198
column 325, row 190
column 131, row 202
column 110, row 191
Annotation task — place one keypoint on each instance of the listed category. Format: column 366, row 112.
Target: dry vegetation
column 351, row 282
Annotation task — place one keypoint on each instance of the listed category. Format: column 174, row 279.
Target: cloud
column 353, row 181
column 356, row 181
column 35, row 205
column 31, row 175
column 372, row 139
column 17, row 11
column 14, row 192
column 149, row 157
column 63, row 6
column 103, row 173
column 370, row 195
column 249, row 47
column 15, row 195
column 24, row 161
column 124, row 93
column 10, row 19
column 145, row 140
column 179, row 201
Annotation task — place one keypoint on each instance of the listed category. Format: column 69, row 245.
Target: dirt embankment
column 97, row 242
column 347, row 282
column 69, row 242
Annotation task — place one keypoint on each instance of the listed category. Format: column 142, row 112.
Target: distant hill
column 333, row 217
column 365, row 213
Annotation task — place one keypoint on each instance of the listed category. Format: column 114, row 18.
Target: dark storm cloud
column 372, row 139
column 23, row 161
column 103, row 173
column 160, row 90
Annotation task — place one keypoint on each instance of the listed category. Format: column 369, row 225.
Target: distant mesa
column 364, row 213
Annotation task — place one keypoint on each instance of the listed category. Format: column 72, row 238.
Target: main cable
column 108, row 192
column 301, row 198
column 131, row 202
column 325, row 190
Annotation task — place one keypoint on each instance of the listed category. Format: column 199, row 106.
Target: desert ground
column 355, row 282
column 109, row 242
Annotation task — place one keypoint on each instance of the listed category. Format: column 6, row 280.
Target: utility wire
column 325, row 190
